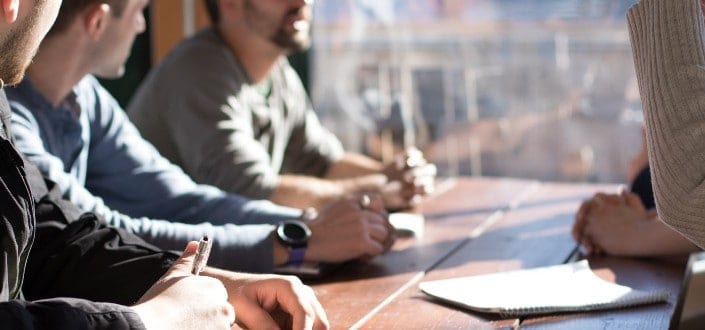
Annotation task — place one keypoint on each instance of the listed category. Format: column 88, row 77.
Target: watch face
column 293, row 233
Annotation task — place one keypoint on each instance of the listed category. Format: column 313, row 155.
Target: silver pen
column 202, row 253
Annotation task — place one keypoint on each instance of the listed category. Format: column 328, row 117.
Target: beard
column 277, row 32
column 291, row 42
column 17, row 47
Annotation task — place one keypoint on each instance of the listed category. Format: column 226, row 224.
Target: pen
column 202, row 253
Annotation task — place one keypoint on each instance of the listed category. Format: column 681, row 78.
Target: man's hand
column 346, row 230
column 410, row 177
column 271, row 301
column 179, row 300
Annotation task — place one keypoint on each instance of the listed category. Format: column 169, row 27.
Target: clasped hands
column 410, row 177
column 610, row 223
column 354, row 227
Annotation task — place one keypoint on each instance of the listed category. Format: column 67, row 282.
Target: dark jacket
column 50, row 249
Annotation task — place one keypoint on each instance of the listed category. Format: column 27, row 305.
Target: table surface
column 485, row 225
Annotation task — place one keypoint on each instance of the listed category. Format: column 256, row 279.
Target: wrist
column 292, row 238
column 148, row 316
column 280, row 254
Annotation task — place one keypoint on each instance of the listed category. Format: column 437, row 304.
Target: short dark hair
column 71, row 8
column 213, row 10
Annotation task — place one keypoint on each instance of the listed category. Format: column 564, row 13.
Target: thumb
column 183, row 265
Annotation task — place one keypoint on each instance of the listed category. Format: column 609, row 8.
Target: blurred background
column 541, row 89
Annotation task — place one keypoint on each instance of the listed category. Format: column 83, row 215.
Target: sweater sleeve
column 669, row 58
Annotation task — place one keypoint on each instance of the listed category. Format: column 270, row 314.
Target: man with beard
column 227, row 107
column 83, row 258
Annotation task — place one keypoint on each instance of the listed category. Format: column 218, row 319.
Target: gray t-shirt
column 199, row 108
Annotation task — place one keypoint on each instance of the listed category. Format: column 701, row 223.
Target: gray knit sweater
column 668, row 43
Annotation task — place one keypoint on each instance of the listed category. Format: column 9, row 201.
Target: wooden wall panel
column 167, row 24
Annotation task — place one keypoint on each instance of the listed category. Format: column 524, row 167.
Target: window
column 540, row 89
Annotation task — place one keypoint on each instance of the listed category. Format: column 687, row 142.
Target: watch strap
column 296, row 256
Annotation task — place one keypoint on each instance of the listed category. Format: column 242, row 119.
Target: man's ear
column 10, row 9
column 95, row 20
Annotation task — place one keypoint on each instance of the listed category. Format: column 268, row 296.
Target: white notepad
column 562, row 288
column 408, row 224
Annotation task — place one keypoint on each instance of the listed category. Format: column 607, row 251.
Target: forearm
column 352, row 165
column 667, row 41
column 243, row 248
column 655, row 238
column 305, row 191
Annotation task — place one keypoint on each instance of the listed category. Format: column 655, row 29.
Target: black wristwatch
column 294, row 234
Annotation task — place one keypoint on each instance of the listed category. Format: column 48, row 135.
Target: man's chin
column 13, row 78
column 111, row 74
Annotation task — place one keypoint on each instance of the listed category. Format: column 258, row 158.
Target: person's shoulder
column 25, row 99
column 203, row 48
column 201, row 59
column 88, row 83
column 88, row 86
column 22, row 92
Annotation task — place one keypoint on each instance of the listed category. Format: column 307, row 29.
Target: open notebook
column 562, row 288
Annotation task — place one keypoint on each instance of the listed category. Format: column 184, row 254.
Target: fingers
column 580, row 220
column 252, row 316
column 587, row 241
column 634, row 202
column 305, row 310
column 379, row 235
column 183, row 265
column 421, row 178
column 351, row 228
column 230, row 313
column 378, row 230
column 371, row 202
column 426, row 170
column 612, row 199
column 279, row 302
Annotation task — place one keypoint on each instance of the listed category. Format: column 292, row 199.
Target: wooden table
column 485, row 225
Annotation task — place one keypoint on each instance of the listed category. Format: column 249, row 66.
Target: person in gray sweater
column 667, row 38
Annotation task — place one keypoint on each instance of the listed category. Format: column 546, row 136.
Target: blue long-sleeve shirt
column 102, row 164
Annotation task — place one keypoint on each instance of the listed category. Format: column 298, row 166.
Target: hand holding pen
column 182, row 301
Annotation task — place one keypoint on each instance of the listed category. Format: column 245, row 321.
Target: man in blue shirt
column 79, row 137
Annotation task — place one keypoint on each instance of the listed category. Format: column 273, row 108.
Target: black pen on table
column 202, row 253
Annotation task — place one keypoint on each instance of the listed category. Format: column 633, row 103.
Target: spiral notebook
column 563, row 288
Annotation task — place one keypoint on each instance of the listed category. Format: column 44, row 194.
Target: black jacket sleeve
column 67, row 313
column 78, row 255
